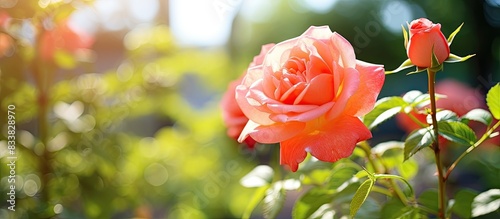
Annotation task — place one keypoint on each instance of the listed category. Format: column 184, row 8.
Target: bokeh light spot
column 125, row 72
column 30, row 187
column 139, row 7
column 395, row 13
column 26, row 139
column 58, row 208
column 156, row 174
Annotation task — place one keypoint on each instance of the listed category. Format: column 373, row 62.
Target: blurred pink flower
column 64, row 38
column 6, row 45
column 460, row 99
column 4, row 19
column 232, row 115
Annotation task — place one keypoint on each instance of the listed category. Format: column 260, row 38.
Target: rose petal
column 316, row 66
column 257, row 60
column 250, row 111
column 275, row 55
column 280, row 108
column 249, row 127
column 321, row 32
column 256, row 96
column 371, row 82
column 253, row 74
column 274, row 133
column 333, row 141
column 302, row 117
column 318, row 91
column 344, row 51
column 348, row 87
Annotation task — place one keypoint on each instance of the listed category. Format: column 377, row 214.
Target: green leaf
column 261, row 175
column 452, row 35
column 463, row 203
column 395, row 209
column 408, row 169
column 416, row 98
column 457, row 132
column 479, row 115
column 360, row 196
column 444, row 115
column 411, row 96
column 384, row 109
column 324, row 211
column 309, row 203
column 381, row 148
column 486, row 202
column 369, row 210
column 454, row 58
column 390, row 152
column 316, row 177
column 274, row 201
column 256, row 198
column 398, row 177
column 406, row 64
column 310, row 164
column 344, row 194
column 417, row 140
column 429, row 199
column 341, row 177
column 493, row 101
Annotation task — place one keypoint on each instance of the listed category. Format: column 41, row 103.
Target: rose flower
column 308, row 95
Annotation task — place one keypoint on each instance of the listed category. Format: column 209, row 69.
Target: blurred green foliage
column 128, row 142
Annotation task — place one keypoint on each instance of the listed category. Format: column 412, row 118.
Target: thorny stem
column 435, row 145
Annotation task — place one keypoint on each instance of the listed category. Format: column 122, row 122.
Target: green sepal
column 454, row 58
column 406, row 64
column 435, row 65
column 452, row 35
column 405, row 35
column 417, row 70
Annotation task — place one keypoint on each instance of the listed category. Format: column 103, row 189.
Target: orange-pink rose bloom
column 308, row 94
column 233, row 117
column 424, row 36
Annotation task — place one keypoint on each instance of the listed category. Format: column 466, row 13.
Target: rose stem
column 435, row 145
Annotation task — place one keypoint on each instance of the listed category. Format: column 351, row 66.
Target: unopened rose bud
column 425, row 37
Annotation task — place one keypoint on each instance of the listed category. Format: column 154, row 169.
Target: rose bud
column 425, row 38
